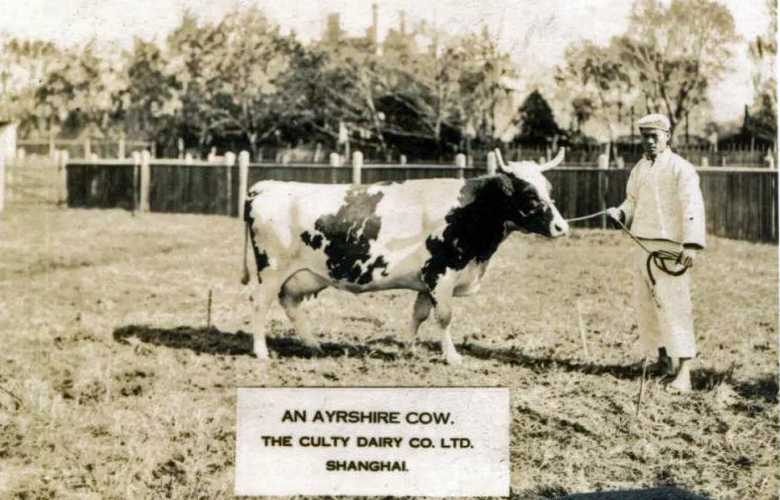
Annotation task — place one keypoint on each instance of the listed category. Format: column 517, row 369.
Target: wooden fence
column 629, row 154
column 740, row 203
column 80, row 148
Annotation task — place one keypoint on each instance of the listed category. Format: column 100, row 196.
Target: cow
column 432, row 236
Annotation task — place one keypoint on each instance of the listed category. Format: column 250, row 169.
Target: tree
column 674, row 53
column 484, row 84
column 537, row 123
column 597, row 82
column 432, row 90
column 79, row 92
column 23, row 63
column 763, row 52
column 328, row 85
column 248, row 55
column 148, row 104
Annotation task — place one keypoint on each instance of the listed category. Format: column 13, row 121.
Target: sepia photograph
column 518, row 248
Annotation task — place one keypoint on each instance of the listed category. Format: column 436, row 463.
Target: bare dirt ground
column 112, row 385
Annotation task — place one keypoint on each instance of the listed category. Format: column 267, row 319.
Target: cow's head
column 536, row 211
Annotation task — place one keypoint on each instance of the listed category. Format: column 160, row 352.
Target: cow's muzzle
column 558, row 226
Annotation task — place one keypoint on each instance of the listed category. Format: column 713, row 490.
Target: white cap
column 654, row 121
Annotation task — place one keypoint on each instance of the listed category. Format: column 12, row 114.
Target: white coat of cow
column 434, row 236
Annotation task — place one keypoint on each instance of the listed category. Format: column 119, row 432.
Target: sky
column 534, row 32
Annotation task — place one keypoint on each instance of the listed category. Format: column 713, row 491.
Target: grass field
column 112, row 386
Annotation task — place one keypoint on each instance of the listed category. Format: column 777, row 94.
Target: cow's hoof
column 312, row 345
column 453, row 358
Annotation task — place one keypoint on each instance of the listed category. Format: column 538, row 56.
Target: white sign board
column 373, row 441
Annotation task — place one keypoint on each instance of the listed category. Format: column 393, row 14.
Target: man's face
column 654, row 141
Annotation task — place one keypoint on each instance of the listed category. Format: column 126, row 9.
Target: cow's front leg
column 422, row 309
column 442, row 311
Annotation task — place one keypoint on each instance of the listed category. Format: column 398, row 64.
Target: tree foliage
column 240, row 83
column 537, row 123
column 763, row 52
column 665, row 62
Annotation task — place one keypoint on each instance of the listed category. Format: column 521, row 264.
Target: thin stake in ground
column 582, row 329
column 208, row 311
column 641, row 386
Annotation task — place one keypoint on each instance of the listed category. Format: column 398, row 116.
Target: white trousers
column 664, row 311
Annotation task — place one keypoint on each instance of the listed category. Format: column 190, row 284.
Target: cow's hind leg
column 262, row 298
column 298, row 287
column 422, row 309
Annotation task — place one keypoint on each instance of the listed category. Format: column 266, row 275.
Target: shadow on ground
column 213, row 341
column 706, row 379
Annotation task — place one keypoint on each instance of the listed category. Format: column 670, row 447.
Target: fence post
column 145, row 181
column 402, row 160
column 188, row 159
column 243, row 177
column 705, row 162
column 136, row 179
column 357, row 164
column 121, row 149
column 492, row 163
column 602, row 180
column 62, row 196
column 87, row 149
column 230, row 161
column 335, row 160
column 460, row 163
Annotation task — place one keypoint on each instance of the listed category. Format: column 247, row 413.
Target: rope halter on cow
column 660, row 258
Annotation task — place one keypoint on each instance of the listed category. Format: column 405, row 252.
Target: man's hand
column 615, row 215
column 687, row 257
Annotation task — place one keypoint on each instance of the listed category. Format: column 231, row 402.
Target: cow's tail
column 245, row 275
column 247, row 228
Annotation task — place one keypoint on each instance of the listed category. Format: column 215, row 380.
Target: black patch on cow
column 349, row 233
column 478, row 225
column 261, row 258
column 312, row 241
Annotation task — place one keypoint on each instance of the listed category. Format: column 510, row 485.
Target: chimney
column 333, row 28
column 374, row 22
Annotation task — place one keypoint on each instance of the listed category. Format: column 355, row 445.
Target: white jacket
column 664, row 201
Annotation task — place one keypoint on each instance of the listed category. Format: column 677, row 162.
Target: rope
column 660, row 258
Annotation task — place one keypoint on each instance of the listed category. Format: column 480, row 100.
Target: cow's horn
column 554, row 162
column 500, row 159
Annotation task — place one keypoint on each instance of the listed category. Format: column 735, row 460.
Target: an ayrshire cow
column 435, row 236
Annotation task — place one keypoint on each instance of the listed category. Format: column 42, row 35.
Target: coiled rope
column 660, row 258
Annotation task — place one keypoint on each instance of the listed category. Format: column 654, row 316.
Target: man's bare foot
column 682, row 379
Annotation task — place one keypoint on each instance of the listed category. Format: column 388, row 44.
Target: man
column 664, row 209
